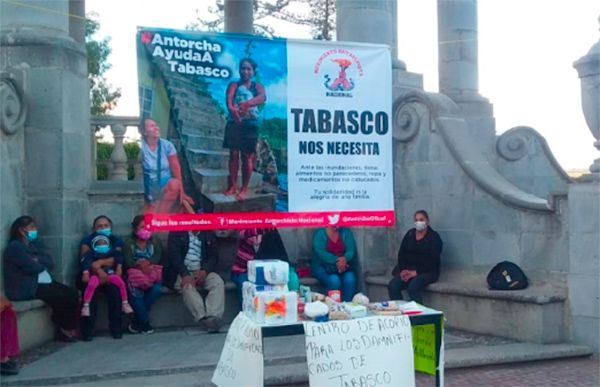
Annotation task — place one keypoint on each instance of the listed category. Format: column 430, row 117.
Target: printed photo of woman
column 163, row 182
column 241, row 132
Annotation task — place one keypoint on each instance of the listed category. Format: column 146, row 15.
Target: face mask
column 102, row 249
column 105, row 231
column 144, row 234
column 31, row 235
column 420, row 226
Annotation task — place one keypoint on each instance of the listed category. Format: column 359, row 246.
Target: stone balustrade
column 117, row 164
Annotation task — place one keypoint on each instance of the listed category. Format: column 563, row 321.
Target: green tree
column 103, row 96
column 319, row 15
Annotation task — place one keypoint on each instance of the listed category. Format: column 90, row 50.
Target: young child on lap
column 101, row 249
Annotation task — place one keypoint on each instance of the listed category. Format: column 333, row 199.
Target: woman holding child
column 107, row 261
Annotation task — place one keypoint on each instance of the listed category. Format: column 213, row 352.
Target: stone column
column 374, row 21
column 458, row 67
column 38, row 45
column 457, row 49
column 239, row 16
column 584, row 267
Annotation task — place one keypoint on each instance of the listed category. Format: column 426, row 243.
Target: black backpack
column 506, row 276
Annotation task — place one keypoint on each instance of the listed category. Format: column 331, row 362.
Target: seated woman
column 163, row 181
column 102, row 249
column 257, row 243
column 418, row 260
column 9, row 338
column 102, row 225
column 334, row 253
column 144, row 274
column 27, row 277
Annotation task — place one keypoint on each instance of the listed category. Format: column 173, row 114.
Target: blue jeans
column 238, row 280
column 346, row 282
column 141, row 301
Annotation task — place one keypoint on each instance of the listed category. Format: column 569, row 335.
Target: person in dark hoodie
column 191, row 268
column 27, row 276
column 418, row 260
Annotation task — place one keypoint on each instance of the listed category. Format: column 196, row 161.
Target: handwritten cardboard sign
column 241, row 361
column 371, row 351
column 423, row 337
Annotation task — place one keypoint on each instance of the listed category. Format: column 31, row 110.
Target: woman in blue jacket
column 27, row 277
column 334, row 255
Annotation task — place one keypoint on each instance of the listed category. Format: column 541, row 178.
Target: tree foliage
column 103, row 96
column 319, row 15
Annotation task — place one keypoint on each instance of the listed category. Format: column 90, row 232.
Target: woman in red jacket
column 9, row 338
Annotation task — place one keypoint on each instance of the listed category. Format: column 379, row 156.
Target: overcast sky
column 526, row 54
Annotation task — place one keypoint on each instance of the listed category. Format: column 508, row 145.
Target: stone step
column 254, row 203
column 202, row 129
column 203, row 142
column 176, row 354
column 208, row 159
column 484, row 355
column 200, row 119
column 217, row 180
column 535, row 314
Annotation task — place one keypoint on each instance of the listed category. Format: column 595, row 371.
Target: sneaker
column 133, row 328
column 126, row 307
column 147, row 329
column 9, row 368
column 85, row 310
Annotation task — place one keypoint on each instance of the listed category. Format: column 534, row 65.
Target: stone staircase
column 200, row 124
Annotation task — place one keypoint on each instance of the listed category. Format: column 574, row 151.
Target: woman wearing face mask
column 144, row 274
column 418, row 260
column 27, row 277
column 102, row 225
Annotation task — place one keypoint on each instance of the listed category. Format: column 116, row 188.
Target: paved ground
column 580, row 372
column 187, row 357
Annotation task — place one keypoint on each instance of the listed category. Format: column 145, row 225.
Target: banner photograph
column 241, row 131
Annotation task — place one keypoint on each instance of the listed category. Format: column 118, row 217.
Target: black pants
column 63, row 300
column 115, row 318
column 415, row 286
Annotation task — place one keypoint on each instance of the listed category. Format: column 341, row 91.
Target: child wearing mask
column 101, row 248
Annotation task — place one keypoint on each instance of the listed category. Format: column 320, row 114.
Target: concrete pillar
column 459, row 68
column 42, row 47
column 365, row 21
column 374, row 21
column 77, row 20
column 584, row 267
column 239, row 16
column 457, row 49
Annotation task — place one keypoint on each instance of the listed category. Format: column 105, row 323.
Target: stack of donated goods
column 266, row 298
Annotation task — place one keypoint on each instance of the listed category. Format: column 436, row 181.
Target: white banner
column 241, row 361
column 372, row 351
column 339, row 127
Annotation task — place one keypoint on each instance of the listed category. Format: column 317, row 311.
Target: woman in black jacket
column 418, row 260
column 27, row 277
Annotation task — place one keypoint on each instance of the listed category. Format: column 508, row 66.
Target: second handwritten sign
column 372, row 351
